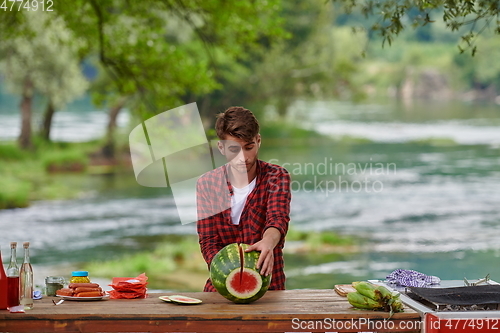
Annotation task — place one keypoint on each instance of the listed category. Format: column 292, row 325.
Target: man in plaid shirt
column 246, row 200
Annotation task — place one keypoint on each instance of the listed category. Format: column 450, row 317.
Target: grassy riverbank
column 35, row 174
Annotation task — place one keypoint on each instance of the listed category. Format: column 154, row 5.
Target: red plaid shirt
column 268, row 205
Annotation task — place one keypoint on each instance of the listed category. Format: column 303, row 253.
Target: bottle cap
column 13, row 244
column 26, row 244
column 79, row 273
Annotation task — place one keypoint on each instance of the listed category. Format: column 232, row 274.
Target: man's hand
column 266, row 246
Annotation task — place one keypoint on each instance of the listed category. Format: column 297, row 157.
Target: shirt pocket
column 257, row 219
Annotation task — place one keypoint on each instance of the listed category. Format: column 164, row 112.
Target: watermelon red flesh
column 246, row 282
column 184, row 299
column 244, row 285
column 228, row 262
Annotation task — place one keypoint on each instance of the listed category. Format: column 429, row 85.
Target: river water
column 418, row 183
column 434, row 208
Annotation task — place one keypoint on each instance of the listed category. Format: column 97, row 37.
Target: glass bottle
column 26, row 281
column 3, row 286
column 13, row 277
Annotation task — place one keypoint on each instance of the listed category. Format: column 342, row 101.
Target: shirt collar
column 257, row 177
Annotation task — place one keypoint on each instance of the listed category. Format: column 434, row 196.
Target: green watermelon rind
column 225, row 261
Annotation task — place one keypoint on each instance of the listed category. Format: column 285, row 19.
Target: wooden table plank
column 277, row 311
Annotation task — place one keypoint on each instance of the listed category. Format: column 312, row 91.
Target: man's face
column 241, row 155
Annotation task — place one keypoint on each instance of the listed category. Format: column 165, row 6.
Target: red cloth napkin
column 128, row 287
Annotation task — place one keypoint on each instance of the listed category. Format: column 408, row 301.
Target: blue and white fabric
column 410, row 278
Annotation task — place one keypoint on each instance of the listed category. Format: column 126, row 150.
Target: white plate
column 73, row 298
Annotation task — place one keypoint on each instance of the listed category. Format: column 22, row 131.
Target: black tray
column 488, row 294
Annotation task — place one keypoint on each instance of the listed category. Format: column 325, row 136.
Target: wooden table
column 278, row 311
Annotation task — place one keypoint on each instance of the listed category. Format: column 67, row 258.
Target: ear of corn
column 366, row 289
column 383, row 292
column 370, row 297
column 397, row 305
column 363, row 302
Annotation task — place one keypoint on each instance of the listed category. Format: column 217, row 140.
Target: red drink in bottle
column 3, row 286
column 13, row 291
column 13, row 277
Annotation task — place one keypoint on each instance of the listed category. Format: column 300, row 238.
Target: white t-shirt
column 239, row 199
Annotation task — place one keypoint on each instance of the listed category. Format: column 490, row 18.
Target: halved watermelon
column 234, row 274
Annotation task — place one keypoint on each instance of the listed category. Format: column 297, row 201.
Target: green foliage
column 45, row 52
column 14, row 192
column 162, row 53
column 388, row 68
column 483, row 69
column 157, row 54
column 315, row 61
column 24, row 173
column 353, row 140
column 391, row 17
column 9, row 151
column 65, row 160
column 406, row 60
column 442, row 142
column 316, row 240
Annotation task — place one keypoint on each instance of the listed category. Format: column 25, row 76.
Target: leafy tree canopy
column 468, row 17
column 160, row 51
column 46, row 54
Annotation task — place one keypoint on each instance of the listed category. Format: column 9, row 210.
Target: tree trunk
column 47, row 121
column 109, row 148
column 208, row 120
column 26, row 101
column 282, row 106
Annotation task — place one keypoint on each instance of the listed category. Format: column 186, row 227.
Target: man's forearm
column 272, row 235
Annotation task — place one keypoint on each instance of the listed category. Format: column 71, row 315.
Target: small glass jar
column 53, row 284
column 79, row 277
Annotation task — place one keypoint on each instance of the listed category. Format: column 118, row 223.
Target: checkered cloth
column 409, row 278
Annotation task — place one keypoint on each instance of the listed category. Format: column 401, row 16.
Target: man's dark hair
column 238, row 122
